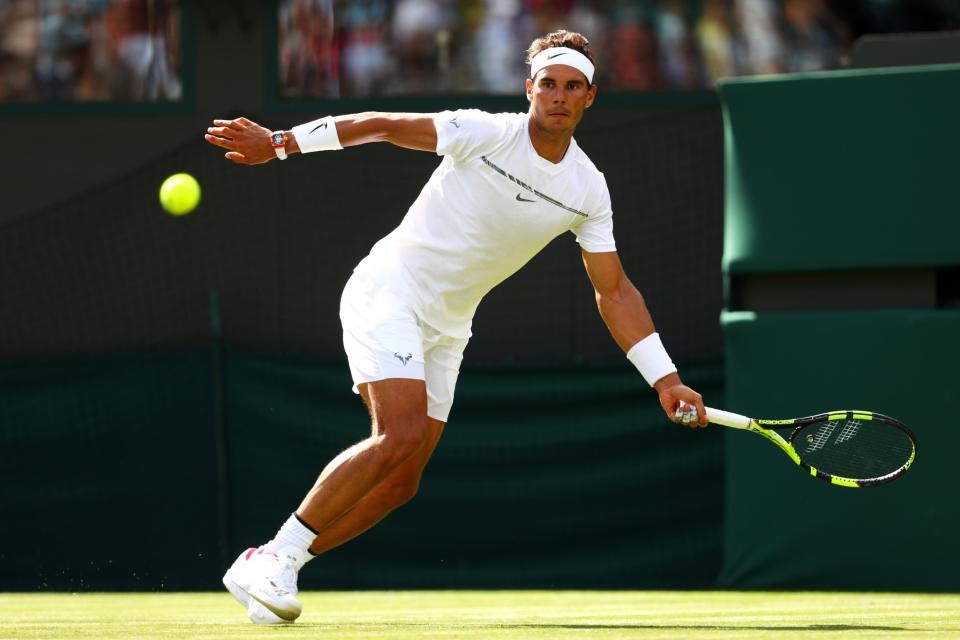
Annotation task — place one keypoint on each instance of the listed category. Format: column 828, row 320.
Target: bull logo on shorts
column 403, row 359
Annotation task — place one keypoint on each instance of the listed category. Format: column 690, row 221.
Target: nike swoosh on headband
column 573, row 58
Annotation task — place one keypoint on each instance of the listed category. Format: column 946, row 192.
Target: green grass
column 487, row 615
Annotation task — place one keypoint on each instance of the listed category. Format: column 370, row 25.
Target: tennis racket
column 846, row 448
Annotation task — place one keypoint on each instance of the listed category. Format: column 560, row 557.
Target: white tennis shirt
column 491, row 205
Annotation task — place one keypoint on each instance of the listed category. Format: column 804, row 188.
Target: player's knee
column 403, row 439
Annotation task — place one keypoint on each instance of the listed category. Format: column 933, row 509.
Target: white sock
column 294, row 533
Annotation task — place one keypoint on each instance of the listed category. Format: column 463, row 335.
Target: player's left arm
column 625, row 313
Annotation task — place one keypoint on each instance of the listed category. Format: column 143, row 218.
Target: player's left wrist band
column 651, row 359
column 319, row 135
column 278, row 140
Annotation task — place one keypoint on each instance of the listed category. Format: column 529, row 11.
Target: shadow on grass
column 707, row 627
column 644, row 627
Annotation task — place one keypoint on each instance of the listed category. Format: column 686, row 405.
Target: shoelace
column 285, row 575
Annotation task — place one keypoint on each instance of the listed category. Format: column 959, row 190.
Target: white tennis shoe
column 257, row 613
column 265, row 582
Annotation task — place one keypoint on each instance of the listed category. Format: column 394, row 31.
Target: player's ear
column 591, row 95
column 529, row 90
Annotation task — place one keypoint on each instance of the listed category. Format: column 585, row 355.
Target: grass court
column 488, row 615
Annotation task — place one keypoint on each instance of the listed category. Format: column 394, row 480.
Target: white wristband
column 651, row 359
column 319, row 135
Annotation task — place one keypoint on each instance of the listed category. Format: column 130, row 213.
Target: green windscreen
column 112, row 476
column 784, row 529
column 847, row 169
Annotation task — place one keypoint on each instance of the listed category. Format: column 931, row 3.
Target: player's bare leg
column 265, row 579
column 396, row 490
column 399, row 430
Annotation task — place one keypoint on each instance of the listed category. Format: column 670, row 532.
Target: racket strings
column 858, row 449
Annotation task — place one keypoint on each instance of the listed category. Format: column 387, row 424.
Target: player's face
column 558, row 96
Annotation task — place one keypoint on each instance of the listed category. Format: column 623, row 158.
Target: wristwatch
column 278, row 140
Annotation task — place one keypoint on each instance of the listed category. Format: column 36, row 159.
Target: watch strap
column 278, row 140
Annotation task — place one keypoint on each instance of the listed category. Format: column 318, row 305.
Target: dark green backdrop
column 153, row 469
column 545, row 477
column 784, row 529
column 848, row 177
column 841, row 170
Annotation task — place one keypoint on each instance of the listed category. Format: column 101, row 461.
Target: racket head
column 852, row 448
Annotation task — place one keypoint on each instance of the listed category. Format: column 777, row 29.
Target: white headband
column 562, row 55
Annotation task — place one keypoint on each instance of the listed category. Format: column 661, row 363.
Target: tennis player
column 509, row 183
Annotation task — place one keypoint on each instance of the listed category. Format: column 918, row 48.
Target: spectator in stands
column 815, row 37
column 678, row 59
column 761, row 38
column 142, row 36
column 494, row 59
column 716, row 42
column 421, row 31
column 309, row 59
column 632, row 54
column 366, row 58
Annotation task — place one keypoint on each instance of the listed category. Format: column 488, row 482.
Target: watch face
column 278, row 139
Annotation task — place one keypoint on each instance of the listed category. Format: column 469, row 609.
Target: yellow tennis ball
column 180, row 194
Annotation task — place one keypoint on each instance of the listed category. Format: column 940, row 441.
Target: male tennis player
column 508, row 184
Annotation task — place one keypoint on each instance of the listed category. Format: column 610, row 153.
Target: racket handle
column 727, row 419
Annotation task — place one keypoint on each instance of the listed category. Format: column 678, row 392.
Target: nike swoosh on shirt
column 521, row 199
column 562, row 53
column 527, row 187
column 319, row 126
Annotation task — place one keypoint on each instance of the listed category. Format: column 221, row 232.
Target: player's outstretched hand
column 682, row 404
column 246, row 141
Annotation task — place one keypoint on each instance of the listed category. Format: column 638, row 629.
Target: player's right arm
column 247, row 142
column 409, row 130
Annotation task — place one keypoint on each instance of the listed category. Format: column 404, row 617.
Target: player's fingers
column 692, row 416
column 220, row 142
column 686, row 414
column 239, row 158
column 694, row 408
column 701, row 412
column 243, row 121
column 223, row 132
column 227, row 123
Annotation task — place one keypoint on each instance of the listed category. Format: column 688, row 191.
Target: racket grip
column 727, row 419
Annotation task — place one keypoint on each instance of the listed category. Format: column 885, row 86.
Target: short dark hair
column 561, row 38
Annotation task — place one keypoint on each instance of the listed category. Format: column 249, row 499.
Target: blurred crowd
column 88, row 50
column 356, row 48
column 130, row 49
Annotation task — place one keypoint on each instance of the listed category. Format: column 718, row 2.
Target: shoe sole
column 245, row 600
column 243, row 597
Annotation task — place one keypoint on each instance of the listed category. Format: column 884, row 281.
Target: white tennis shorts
column 384, row 338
